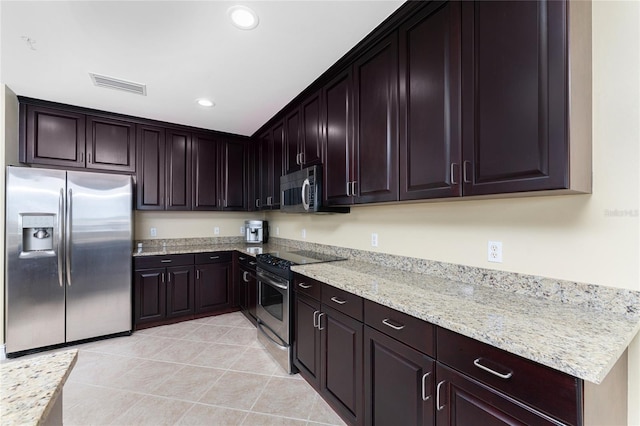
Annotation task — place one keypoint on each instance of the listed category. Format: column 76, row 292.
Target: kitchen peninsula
column 32, row 388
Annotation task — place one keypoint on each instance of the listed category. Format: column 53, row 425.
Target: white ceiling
column 182, row 50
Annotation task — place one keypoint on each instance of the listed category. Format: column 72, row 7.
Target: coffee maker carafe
column 256, row 231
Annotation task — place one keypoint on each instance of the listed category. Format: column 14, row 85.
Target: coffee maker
column 256, row 231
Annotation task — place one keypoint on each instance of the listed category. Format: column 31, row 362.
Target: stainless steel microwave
column 301, row 192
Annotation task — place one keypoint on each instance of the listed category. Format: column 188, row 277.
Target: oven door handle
column 265, row 279
column 262, row 329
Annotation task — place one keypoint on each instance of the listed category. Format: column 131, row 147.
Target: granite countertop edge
column 31, row 386
column 582, row 342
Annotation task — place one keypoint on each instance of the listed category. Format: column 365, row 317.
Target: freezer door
column 98, row 255
column 35, row 292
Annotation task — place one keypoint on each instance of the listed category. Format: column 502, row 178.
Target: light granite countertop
column 582, row 341
column 251, row 249
column 30, row 387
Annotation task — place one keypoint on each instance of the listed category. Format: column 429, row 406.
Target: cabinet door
column 376, row 123
column 213, row 287
column 277, row 168
column 338, row 157
column 429, row 103
column 265, row 163
column 234, row 176
column 54, row 137
column 110, row 144
column 293, row 142
column 399, row 382
column 311, row 146
column 463, row 401
column 150, row 172
column 149, row 295
column 514, row 92
column 206, row 172
column 306, row 342
column 180, row 291
column 341, row 380
column 178, row 170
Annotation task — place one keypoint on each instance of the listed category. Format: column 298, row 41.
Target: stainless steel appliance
column 275, row 300
column 302, row 193
column 68, row 256
column 256, row 231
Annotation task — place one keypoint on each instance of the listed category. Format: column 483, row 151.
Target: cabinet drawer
column 409, row 330
column 308, row 286
column 247, row 260
column 343, row 301
column 551, row 391
column 213, row 257
column 143, row 262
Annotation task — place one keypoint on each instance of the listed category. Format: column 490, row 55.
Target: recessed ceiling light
column 205, row 102
column 242, row 17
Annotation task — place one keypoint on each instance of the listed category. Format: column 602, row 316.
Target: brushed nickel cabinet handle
column 320, row 321
column 465, row 179
column 508, row 375
column 438, row 406
column 197, row 274
column 338, row 301
column 353, row 188
column 388, row 324
column 452, row 174
column 316, row 323
column 166, row 261
column 348, row 186
column 305, row 286
column 425, row 397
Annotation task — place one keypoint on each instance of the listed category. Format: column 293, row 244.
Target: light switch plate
column 153, row 232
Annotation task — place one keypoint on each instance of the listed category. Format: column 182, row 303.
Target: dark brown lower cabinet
column 248, row 292
column 149, row 295
column 213, row 287
column 462, row 401
column 399, row 382
column 180, row 291
column 341, row 363
column 306, row 343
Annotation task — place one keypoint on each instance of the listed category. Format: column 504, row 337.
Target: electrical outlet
column 242, row 230
column 277, row 230
column 153, row 232
column 304, row 234
column 216, row 230
column 494, row 251
column 374, row 240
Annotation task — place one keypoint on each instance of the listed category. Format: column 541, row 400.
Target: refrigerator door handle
column 68, row 236
column 60, row 247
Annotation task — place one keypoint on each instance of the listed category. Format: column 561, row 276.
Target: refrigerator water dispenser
column 37, row 232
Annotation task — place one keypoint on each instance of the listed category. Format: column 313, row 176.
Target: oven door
column 273, row 305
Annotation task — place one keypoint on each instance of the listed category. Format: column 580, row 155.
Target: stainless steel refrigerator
column 68, row 256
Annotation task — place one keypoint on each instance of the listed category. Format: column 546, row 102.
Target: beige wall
column 190, row 224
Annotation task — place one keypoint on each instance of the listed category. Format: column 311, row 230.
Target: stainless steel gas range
column 275, row 300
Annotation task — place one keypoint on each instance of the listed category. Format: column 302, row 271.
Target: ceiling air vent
column 116, row 83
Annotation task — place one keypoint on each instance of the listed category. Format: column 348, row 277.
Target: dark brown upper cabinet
column 430, row 145
column 515, row 98
column 178, row 170
column 54, row 137
column 150, row 187
column 110, row 144
column 62, row 136
column 271, row 166
column 206, row 173
column 338, row 149
column 376, row 123
column 234, row 175
column 303, row 134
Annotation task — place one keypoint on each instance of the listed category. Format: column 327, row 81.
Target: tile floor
column 210, row 371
